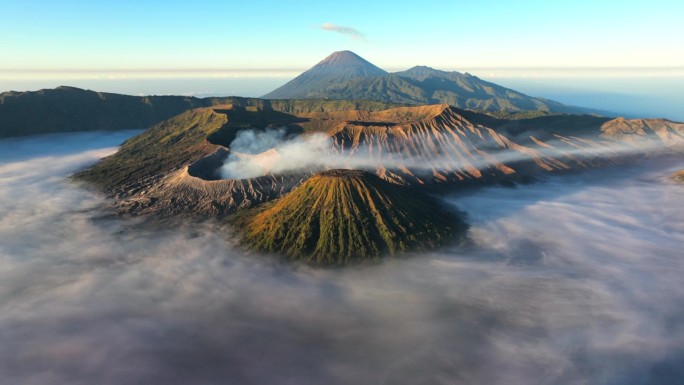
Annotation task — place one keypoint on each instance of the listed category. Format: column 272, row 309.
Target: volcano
column 347, row 76
column 338, row 216
column 339, row 67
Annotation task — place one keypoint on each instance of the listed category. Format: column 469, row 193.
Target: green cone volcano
column 339, row 216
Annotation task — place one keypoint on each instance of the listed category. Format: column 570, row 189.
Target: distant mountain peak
column 344, row 58
column 422, row 68
column 346, row 75
column 69, row 88
column 422, row 71
column 341, row 60
column 338, row 67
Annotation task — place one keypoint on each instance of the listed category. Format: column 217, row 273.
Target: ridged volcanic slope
column 338, row 216
column 171, row 168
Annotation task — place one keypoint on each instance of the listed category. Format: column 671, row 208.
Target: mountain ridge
column 172, row 168
column 71, row 109
column 416, row 85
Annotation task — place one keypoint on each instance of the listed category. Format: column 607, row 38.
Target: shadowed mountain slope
column 67, row 109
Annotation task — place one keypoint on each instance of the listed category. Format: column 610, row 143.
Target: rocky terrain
column 175, row 164
column 655, row 131
column 174, row 168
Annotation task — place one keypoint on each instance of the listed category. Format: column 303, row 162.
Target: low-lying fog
column 573, row 280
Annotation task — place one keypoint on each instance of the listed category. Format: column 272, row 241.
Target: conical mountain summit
column 351, row 61
column 338, row 67
column 339, row 216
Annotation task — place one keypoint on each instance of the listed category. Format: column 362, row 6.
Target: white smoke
column 254, row 142
column 256, row 153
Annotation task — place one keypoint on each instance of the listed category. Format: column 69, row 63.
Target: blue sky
column 623, row 56
column 243, row 35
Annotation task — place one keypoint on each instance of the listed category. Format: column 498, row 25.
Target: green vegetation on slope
column 183, row 139
column 66, row 109
column 164, row 147
column 340, row 216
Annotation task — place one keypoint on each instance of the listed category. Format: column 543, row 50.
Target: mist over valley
column 573, row 279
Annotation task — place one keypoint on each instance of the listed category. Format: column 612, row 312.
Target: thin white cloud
column 348, row 31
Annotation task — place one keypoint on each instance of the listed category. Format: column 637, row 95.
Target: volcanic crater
column 174, row 168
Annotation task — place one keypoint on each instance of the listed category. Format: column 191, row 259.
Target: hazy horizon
column 223, row 48
column 631, row 92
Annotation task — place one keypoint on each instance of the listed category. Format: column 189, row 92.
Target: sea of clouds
column 571, row 280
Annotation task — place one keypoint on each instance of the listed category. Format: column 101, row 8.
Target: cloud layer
column 573, row 281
